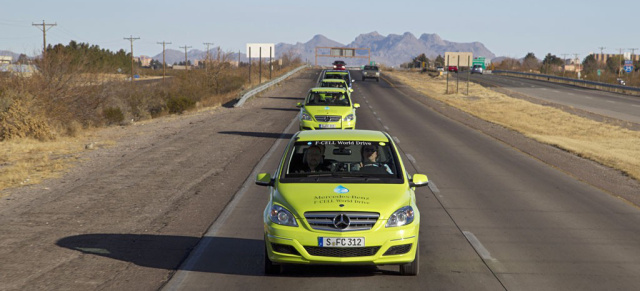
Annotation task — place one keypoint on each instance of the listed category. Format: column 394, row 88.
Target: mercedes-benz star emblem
column 341, row 221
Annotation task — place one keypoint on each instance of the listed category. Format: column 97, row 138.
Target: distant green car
column 336, row 74
column 335, row 83
column 328, row 108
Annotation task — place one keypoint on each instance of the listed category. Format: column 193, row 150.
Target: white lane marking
column 482, row 251
column 397, row 140
column 433, row 188
column 387, row 128
column 570, row 94
column 611, row 101
column 379, row 119
column 374, row 113
column 410, row 157
column 635, row 105
column 555, row 91
column 175, row 283
column 588, row 97
column 544, row 89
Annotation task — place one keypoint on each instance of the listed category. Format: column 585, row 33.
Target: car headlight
column 402, row 216
column 281, row 216
column 305, row 116
column 349, row 117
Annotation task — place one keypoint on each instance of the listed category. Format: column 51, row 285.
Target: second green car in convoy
column 328, row 108
column 341, row 197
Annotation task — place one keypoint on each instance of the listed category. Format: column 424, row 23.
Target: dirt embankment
column 128, row 214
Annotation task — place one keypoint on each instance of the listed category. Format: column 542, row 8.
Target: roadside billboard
column 256, row 50
column 453, row 57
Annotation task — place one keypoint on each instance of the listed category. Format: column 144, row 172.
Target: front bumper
column 383, row 246
column 314, row 125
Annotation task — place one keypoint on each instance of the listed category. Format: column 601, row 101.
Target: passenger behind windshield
column 340, row 159
column 328, row 98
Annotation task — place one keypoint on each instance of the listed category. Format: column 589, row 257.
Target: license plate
column 327, row 125
column 341, row 242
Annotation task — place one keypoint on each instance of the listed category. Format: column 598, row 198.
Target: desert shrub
column 113, row 115
column 180, row 104
column 21, row 118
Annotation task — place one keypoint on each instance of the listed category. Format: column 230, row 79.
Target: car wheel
column 363, row 79
column 411, row 269
column 269, row 267
column 377, row 79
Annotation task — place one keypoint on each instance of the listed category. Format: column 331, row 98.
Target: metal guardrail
column 576, row 82
column 265, row 86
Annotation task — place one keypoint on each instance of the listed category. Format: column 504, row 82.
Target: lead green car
column 328, row 108
column 341, row 197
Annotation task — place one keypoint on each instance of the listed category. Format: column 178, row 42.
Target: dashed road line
column 398, row 141
column 477, row 245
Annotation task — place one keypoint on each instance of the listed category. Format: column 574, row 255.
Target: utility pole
column 44, row 29
column 601, row 48
column 131, row 39
column 633, row 50
column 619, row 65
column 564, row 63
column 208, row 44
column 164, row 66
column 578, row 64
column 185, row 56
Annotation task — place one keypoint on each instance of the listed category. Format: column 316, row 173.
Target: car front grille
column 342, row 252
column 324, row 220
column 328, row 118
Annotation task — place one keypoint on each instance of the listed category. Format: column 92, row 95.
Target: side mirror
column 264, row 179
column 356, row 105
column 299, row 105
column 419, row 180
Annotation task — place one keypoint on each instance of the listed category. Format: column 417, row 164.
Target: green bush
column 113, row 115
column 180, row 104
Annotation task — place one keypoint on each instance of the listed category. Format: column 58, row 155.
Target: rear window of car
column 370, row 68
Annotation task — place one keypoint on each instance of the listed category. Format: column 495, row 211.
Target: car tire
column 363, row 79
column 377, row 79
column 269, row 267
column 411, row 269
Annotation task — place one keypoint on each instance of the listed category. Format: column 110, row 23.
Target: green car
column 328, row 108
column 337, row 74
column 341, row 198
column 335, row 83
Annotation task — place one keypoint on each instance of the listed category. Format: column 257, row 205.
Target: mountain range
column 391, row 50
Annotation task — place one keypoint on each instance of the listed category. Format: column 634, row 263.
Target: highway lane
column 492, row 218
column 614, row 105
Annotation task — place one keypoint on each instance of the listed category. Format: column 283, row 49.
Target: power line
column 131, row 39
column 164, row 66
column 44, row 29
column 185, row 56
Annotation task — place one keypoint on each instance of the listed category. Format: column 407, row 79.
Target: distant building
column 602, row 58
column 6, row 59
column 144, row 61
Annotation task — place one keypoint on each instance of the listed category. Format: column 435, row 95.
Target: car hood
column 381, row 198
column 328, row 110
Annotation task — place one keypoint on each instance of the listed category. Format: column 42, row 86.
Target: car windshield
column 334, row 84
column 337, row 76
column 327, row 98
column 328, row 161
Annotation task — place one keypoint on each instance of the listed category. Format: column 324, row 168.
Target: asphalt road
column 614, row 105
column 493, row 218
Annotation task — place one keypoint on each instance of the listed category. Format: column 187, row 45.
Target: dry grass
column 27, row 161
column 604, row 143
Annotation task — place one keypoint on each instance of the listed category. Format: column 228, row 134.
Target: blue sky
column 506, row 27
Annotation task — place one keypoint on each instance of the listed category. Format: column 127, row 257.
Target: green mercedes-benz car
column 341, row 197
column 335, row 83
column 328, row 108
